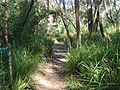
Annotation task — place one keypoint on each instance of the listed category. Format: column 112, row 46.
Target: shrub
column 74, row 85
column 97, row 65
column 20, row 84
column 47, row 47
column 61, row 37
column 25, row 62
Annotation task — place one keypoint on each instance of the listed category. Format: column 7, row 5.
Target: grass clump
column 47, row 47
column 21, row 84
column 24, row 63
column 74, row 85
column 61, row 37
column 97, row 65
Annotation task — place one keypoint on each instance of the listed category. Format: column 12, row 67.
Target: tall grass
column 25, row 61
column 97, row 65
column 48, row 47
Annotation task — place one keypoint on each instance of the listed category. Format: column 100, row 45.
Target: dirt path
column 51, row 75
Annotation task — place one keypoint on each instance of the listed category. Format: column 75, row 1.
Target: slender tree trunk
column 6, row 38
column 90, row 17
column 23, row 23
column 65, row 22
column 100, row 24
column 68, row 34
column 101, row 29
column 66, row 27
column 48, row 4
column 116, row 17
column 77, row 14
column 72, row 2
column 64, row 7
column 97, row 20
column 47, row 19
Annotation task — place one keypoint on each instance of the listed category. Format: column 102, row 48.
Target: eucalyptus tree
column 24, row 14
column 65, row 21
column 112, row 9
column 63, row 14
column 48, row 4
column 90, row 17
column 5, row 35
column 77, row 15
column 97, row 20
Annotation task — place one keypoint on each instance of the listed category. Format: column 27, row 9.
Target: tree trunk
column 47, row 4
column 68, row 34
column 100, row 24
column 116, row 17
column 97, row 19
column 24, row 21
column 6, row 38
column 101, row 29
column 77, row 14
column 90, row 17
column 66, row 27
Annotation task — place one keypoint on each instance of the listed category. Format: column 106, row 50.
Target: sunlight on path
column 51, row 75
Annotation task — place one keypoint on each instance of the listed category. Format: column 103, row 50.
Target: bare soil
column 51, row 75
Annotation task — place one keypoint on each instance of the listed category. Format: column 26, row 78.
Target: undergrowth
column 25, row 61
column 96, row 65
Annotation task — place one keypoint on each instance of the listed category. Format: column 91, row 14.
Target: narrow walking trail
column 51, row 75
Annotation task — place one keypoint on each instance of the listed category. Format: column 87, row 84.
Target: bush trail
column 51, row 75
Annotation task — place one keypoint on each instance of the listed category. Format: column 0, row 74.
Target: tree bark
column 77, row 14
column 48, row 4
column 90, row 17
column 6, row 38
column 68, row 34
column 97, row 19
column 22, row 24
column 66, row 26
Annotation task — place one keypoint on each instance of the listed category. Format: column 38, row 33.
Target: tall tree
column 25, row 18
column 90, row 17
column 97, row 18
column 5, row 35
column 48, row 4
column 65, row 22
column 63, row 15
column 77, row 15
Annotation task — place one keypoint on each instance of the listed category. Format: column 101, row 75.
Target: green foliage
column 61, row 38
column 30, row 43
column 74, row 85
column 25, row 62
column 20, row 84
column 97, row 64
column 48, row 47
column 2, row 73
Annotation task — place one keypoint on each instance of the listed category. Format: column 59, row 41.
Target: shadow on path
column 51, row 75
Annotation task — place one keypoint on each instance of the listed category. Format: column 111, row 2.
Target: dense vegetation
column 88, row 28
column 95, row 65
column 29, row 44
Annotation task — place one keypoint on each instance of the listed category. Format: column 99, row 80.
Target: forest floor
column 51, row 75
